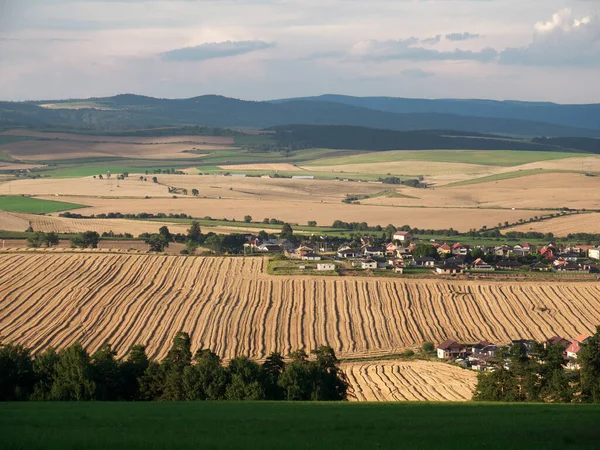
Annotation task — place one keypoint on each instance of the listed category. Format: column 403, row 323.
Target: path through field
column 231, row 306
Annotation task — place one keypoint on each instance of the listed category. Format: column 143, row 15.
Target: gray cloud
column 406, row 49
column 432, row 40
column 416, row 73
column 214, row 50
column 461, row 36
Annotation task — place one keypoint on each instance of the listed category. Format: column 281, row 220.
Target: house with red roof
column 449, row 349
column 573, row 350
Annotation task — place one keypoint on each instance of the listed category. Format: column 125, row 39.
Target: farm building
column 425, row 261
column 594, row 253
column 449, row 269
column 311, row 257
column 449, row 349
column 325, row 267
column 303, row 177
column 402, row 236
column 350, row 253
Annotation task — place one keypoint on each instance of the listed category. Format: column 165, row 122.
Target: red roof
column 457, row 245
column 445, row 247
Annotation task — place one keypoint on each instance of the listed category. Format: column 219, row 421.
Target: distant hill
column 361, row 138
column 580, row 116
column 129, row 111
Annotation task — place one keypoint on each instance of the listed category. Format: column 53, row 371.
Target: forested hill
column 583, row 116
column 361, row 138
column 128, row 111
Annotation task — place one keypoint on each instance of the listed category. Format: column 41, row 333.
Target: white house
column 368, row 264
column 594, row 253
column 311, row 257
column 325, row 267
column 402, row 236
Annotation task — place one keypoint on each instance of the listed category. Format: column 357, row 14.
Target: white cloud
column 565, row 40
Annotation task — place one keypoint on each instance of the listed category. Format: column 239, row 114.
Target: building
column 508, row 265
column 460, row 250
column 449, row 349
column 374, row 251
column 425, row 261
column 350, row 253
column 480, row 264
column 444, row 249
column 368, row 264
column 402, row 236
column 325, row 267
column 594, row 253
column 311, row 257
column 449, row 269
column 573, row 350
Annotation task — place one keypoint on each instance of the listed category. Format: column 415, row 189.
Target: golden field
column 233, row 307
column 401, row 380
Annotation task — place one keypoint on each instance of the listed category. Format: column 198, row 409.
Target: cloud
column 407, row 49
column 562, row 41
column 432, row 40
column 461, row 36
column 214, row 50
column 416, row 73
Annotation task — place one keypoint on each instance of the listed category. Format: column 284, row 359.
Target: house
column 401, row 251
column 325, row 267
column 402, row 236
column 350, row 253
column 558, row 340
column 508, row 265
column 444, row 249
column 449, row 269
column 565, row 266
column 459, row 249
column 548, row 251
column 311, row 257
column 286, row 245
column 368, row 264
column 449, row 349
column 458, row 260
column 390, row 249
column 425, row 261
column 541, row 266
column 480, row 264
column 521, row 250
column 299, row 252
column 477, row 348
column 503, row 250
column 270, row 248
column 594, row 253
column 569, row 256
column 573, row 350
column 374, row 251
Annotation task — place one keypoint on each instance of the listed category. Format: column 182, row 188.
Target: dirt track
column 231, row 306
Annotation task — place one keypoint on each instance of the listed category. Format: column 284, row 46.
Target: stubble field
column 401, row 380
column 231, row 306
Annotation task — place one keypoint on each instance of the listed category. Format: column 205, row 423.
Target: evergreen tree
column 272, row 369
column 178, row 358
column 107, row 375
column 244, row 384
column 132, row 370
column 589, row 361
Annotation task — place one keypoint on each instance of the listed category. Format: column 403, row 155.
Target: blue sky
column 545, row 50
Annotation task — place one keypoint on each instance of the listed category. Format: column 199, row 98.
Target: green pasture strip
column 286, row 425
column 87, row 170
column 15, row 203
column 481, row 157
column 506, row 176
column 241, row 156
column 5, row 156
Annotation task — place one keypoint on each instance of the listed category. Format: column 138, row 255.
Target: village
column 486, row 356
column 405, row 254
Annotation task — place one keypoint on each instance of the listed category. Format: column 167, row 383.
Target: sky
column 541, row 50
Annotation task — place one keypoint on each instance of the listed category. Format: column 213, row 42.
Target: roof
column 445, row 247
column 401, row 233
column 480, row 262
column 482, row 344
column 449, row 344
column 424, row 259
column 558, row 340
column 508, row 263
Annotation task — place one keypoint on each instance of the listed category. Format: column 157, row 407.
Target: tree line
column 542, row 375
column 72, row 374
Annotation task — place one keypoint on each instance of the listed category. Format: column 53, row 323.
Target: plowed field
column 387, row 381
column 231, row 306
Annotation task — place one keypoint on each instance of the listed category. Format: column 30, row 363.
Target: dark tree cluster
column 72, row 374
column 87, row 239
column 542, row 376
column 41, row 239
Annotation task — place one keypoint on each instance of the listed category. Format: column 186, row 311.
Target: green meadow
column 283, row 425
column 16, row 203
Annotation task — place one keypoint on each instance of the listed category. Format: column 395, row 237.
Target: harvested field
column 219, row 140
column 129, row 187
column 563, row 226
column 57, row 150
column 13, row 245
column 15, row 221
column 18, row 166
column 275, row 167
column 231, row 306
column 298, row 211
column 387, row 381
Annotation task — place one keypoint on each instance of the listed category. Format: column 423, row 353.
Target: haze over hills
column 128, row 111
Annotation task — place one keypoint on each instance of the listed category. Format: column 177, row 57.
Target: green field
column 482, row 157
column 268, row 425
column 15, row 203
column 507, row 176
